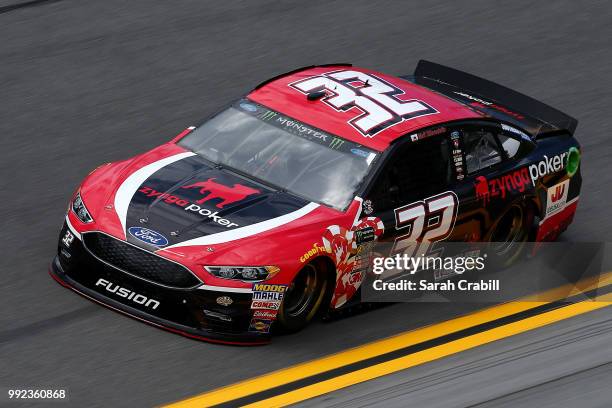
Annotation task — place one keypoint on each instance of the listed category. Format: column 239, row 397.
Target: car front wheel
column 304, row 297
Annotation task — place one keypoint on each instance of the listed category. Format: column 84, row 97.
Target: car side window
column 510, row 145
column 416, row 170
column 481, row 150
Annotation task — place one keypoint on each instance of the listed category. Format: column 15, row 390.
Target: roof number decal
column 379, row 102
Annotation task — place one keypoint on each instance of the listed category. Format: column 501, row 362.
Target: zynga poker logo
column 486, row 189
column 546, row 166
column 226, row 194
column 165, row 197
column 188, row 206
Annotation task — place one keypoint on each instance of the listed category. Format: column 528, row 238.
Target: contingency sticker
column 266, row 300
column 556, row 197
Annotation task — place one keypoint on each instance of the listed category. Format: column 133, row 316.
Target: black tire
column 304, row 297
column 508, row 236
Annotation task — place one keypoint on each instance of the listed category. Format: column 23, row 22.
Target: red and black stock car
column 264, row 213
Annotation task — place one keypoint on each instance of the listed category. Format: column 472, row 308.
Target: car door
column 449, row 186
column 413, row 194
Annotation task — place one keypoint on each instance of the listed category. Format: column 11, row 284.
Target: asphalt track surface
column 88, row 82
column 521, row 371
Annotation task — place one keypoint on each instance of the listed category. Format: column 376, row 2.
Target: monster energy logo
column 336, row 143
column 267, row 115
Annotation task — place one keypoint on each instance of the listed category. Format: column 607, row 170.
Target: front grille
column 138, row 262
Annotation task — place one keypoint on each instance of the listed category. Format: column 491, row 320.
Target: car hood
column 183, row 198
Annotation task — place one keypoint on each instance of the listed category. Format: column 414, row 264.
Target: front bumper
column 193, row 313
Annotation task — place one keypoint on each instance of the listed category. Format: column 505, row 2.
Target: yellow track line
column 428, row 355
column 376, row 348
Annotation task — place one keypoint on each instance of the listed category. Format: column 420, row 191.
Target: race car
column 264, row 215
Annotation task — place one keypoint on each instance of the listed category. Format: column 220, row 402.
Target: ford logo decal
column 148, row 236
column 248, row 107
column 360, row 152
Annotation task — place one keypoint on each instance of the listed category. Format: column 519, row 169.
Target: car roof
column 282, row 94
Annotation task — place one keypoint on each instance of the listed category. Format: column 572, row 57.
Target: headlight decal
column 243, row 273
column 79, row 209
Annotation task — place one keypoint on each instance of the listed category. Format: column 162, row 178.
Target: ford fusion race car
column 266, row 213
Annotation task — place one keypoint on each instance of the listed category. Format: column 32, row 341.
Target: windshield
column 283, row 152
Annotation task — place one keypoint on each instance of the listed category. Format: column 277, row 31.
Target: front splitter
column 245, row 339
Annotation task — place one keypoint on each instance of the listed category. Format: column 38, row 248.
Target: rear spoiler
column 492, row 99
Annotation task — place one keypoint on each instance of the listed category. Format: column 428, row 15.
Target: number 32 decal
column 382, row 105
column 425, row 222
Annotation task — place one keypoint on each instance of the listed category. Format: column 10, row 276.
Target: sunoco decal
column 260, row 325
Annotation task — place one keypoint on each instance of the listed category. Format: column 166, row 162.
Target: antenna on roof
column 314, row 95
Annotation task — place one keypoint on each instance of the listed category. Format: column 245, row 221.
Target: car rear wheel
column 304, row 297
column 509, row 235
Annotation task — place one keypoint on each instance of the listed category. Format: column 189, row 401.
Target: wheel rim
column 302, row 292
column 509, row 232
